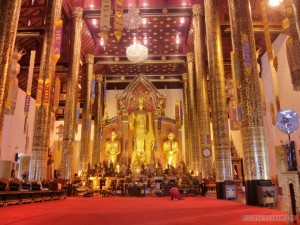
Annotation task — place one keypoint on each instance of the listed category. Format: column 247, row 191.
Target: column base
column 251, row 190
column 221, row 189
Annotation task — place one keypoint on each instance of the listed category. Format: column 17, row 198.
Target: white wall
column 289, row 99
column 13, row 136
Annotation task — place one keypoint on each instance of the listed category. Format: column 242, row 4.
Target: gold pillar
column 188, row 154
column 218, row 96
column 98, row 120
column 193, row 121
column 201, row 88
column 9, row 17
column 42, row 113
column 255, row 152
column 72, row 87
column 86, row 113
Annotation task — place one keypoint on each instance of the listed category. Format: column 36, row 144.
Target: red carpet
column 136, row 211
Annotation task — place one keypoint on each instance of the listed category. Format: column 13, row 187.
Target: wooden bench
column 20, row 197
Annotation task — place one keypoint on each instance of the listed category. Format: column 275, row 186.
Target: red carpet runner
column 138, row 211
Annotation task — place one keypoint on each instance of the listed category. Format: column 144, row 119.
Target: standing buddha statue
column 112, row 149
column 143, row 136
column 170, row 148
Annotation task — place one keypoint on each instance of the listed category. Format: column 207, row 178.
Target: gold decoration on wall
column 118, row 20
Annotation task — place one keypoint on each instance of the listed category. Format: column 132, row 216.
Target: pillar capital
column 198, row 10
column 190, row 57
column 77, row 12
column 89, row 59
column 99, row 78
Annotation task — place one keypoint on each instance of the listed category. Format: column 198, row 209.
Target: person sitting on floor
column 175, row 194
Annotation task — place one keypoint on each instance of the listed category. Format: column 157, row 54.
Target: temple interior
column 135, row 97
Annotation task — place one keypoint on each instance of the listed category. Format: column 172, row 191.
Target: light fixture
column 274, row 2
column 136, row 52
column 145, row 40
column 101, row 41
column 177, row 41
column 182, row 20
column 144, row 21
column 132, row 20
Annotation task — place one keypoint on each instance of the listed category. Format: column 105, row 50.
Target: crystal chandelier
column 275, row 2
column 132, row 20
column 136, row 52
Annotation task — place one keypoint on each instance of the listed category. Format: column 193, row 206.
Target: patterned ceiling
column 164, row 20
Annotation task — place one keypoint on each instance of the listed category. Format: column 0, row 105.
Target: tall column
column 201, row 88
column 72, row 87
column 255, row 152
column 218, row 96
column 98, row 120
column 195, row 165
column 9, row 17
column 188, row 154
column 42, row 113
column 86, row 113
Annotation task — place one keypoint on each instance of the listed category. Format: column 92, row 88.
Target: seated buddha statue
column 112, row 149
column 170, row 149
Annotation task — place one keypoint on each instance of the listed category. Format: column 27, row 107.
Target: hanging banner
column 93, row 93
column 39, row 92
column 46, row 99
column 11, row 99
column 77, row 116
column 177, row 111
column 105, row 18
column 247, row 53
column 29, row 83
column 56, row 94
column 273, row 116
column 234, row 116
column 57, row 40
column 118, row 22
column 14, row 95
column 30, row 72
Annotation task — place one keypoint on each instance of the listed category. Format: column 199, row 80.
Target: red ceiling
column 142, row 3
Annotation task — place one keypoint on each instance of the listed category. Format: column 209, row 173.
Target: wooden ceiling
column 164, row 20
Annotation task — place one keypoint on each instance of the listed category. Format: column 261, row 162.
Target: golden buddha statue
column 112, row 148
column 143, row 136
column 170, row 148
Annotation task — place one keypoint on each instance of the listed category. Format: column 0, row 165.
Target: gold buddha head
column 171, row 136
column 141, row 102
column 113, row 135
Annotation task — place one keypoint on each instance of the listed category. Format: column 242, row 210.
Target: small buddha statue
column 170, row 149
column 112, row 149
